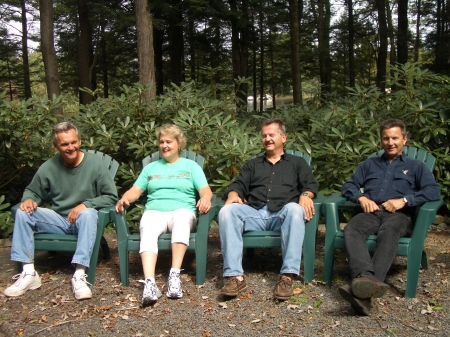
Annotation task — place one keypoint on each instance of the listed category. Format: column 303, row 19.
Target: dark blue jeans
column 389, row 227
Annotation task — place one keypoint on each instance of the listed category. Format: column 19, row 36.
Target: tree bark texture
column 84, row 56
column 402, row 35
column 26, row 66
column 322, row 16
column 48, row 48
column 351, row 43
column 239, row 48
column 146, row 55
column 294, row 19
column 176, row 42
column 382, row 51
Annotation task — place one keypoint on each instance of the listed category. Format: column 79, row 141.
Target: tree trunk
column 295, row 51
column 351, row 43
column 26, row 66
column 48, row 48
column 158, row 39
column 323, row 17
column 144, row 30
column 261, row 59
column 272, row 69
column 417, row 40
column 402, row 35
column 393, row 52
column 239, row 49
column 176, row 43
column 84, row 56
column 104, row 61
column 382, row 51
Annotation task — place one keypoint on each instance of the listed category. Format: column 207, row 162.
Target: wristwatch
column 405, row 200
column 306, row 194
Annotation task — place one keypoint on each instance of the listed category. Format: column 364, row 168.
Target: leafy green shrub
column 339, row 131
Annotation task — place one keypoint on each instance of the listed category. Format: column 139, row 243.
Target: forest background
column 331, row 69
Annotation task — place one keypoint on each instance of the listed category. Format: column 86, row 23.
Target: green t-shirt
column 65, row 187
column 171, row 186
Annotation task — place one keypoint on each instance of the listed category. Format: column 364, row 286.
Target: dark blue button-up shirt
column 262, row 183
column 381, row 180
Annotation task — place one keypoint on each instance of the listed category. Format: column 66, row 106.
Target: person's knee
column 88, row 216
column 294, row 210
column 227, row 212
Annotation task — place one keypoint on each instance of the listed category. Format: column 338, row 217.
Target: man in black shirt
column 278, row 189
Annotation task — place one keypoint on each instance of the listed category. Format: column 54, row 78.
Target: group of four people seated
column 273, row 192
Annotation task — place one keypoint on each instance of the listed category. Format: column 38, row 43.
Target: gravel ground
column 315, row 310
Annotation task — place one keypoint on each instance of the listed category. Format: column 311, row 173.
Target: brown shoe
column 367, row 286
column 283, row 290
column 362, row 307
column 233, row 286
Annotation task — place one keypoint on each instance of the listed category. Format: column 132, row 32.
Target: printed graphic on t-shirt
column 183, row 175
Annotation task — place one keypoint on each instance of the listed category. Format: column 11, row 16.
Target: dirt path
column 315, row 310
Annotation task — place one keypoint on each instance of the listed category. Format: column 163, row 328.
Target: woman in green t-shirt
column 171, row 184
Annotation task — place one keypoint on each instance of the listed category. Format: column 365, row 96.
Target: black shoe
column 367, row 286
column 362, row 307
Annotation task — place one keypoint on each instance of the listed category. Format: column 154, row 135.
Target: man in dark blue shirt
column 278, row 189
column 386, row 187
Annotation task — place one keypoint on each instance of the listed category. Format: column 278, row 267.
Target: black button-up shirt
column 383, row 180
column 260, row 182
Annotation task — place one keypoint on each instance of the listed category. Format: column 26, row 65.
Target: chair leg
column 200, row 261
column 123, row 263
column 412, row 273
column 328, row 265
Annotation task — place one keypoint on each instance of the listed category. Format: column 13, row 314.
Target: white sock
column 151, row 279
column 79, row 271
column 28, row 268
column 175, row 270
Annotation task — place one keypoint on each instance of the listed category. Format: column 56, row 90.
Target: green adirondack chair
column 269, row 239
column 68, row 243
column 411, row 247
column 198, row 241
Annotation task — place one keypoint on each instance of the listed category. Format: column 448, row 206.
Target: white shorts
column 154, row 223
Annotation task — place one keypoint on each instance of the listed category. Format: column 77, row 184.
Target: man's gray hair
column 63, row 127
column 393, row 123
column 281, row 126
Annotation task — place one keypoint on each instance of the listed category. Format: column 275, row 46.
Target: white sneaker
column 151, row 292
column 174, row 286
column 80, row 287
column 24, row 282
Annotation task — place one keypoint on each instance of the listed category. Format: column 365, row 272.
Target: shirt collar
column 401, row 157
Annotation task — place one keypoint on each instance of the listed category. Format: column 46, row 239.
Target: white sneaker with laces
column 80, row 287
column 151, row 292
column 174, row 286
column 24, row 282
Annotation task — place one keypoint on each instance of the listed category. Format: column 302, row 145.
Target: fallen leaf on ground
column 223, row 305
column 298, row 291
column 105, row 307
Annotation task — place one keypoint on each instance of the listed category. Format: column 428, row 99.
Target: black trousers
column 389, row 227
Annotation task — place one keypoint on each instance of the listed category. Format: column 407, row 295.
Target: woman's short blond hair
column 173, row 131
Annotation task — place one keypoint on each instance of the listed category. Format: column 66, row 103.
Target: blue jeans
column 235, row 219
column 44, row 220
column 389, row 227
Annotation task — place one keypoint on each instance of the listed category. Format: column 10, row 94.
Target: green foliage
column 5, row 219
column 339, row 132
